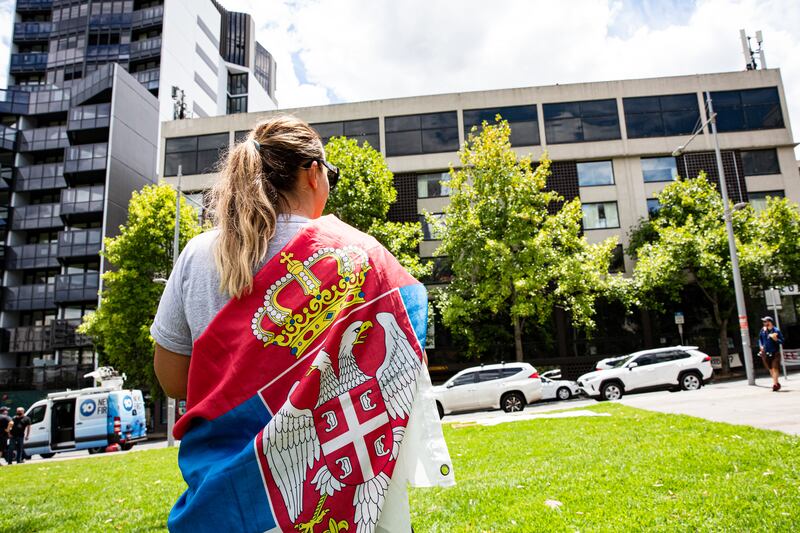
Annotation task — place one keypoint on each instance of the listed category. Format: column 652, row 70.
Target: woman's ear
column 313, row 176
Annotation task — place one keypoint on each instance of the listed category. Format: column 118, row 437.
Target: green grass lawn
column 631, row 471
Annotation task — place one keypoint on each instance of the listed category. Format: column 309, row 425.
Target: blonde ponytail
column 258, row 176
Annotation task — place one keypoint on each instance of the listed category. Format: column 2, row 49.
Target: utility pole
column 744, row 329
column 175, row 252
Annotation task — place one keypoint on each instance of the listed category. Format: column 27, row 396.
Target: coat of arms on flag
column 329, row 451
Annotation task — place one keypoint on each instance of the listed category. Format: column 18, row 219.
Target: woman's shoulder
column 199, row 251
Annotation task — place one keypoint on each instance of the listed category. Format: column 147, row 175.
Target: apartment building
column 89, row 84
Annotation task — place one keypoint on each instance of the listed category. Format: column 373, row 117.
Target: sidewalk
column 733, row 402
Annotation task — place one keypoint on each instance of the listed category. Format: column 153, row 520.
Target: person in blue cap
column 770, row 340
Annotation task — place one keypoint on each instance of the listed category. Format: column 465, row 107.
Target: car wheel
column 563, row 393
column 98, row 449
column 691, row 381
column 440, row 409
column 127, row 446
column 512, row 402
column 47, row 455
column 611, row 391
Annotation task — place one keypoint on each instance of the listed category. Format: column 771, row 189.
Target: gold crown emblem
column 302, row 327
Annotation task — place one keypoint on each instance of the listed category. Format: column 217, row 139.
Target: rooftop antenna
column 750, row 54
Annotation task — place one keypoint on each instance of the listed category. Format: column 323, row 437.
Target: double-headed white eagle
column 290, row 440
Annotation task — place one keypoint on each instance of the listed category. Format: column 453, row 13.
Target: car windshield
column 619, row 363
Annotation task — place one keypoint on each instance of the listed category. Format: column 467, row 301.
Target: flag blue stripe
column 218, row 463
column 415, row 300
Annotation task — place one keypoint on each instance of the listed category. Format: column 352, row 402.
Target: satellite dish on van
column 106, row 376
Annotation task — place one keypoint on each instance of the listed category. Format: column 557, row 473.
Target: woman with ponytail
column 297, row 343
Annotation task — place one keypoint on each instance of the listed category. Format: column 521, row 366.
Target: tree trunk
column 518, row 338
column 725, row 368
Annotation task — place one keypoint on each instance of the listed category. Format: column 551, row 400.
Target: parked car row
column 512, row 386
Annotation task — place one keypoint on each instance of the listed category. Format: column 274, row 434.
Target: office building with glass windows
column 89, row 84
column 611, row 144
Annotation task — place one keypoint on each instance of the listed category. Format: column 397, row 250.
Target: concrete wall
column 132, row 148
column 180, row 60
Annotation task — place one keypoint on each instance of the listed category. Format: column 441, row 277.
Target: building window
column 659, row 169
column 429, row 231
column 749, row 109
column 422, row 134
column 760, row 162
column 617, row 263
column 661, row 116
column 361, row 130
column 653, row 205
column 430, row 185
column 600, row 215
column 237, row 104
column 759, row 199
column 592, row 173
column 237, row 84
column 523, row 120
column 197, row 155
column 592, row 120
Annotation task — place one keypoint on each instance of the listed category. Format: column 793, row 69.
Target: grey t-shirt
column 192, row 297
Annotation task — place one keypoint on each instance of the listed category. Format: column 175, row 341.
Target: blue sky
column 351, row 50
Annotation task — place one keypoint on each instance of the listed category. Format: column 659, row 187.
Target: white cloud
column 367, row 49
column 352, row 50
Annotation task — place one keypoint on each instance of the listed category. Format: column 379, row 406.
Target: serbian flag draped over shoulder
column 308, row 404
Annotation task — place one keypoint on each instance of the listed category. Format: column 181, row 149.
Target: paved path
column 733, row 402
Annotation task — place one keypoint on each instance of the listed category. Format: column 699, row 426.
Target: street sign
column 773, row 298
column 679, row 318
column 791, row 290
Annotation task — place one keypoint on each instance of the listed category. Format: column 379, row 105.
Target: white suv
column 678, row 366
column 510, row 386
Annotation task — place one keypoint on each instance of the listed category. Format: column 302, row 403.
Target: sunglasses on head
column 333, row 171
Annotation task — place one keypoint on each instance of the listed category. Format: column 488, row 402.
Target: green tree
column 686, row 243
column 363, row 197
column 510, row 256
column 140, row 254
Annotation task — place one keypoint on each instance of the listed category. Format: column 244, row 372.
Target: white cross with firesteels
column 356, row 434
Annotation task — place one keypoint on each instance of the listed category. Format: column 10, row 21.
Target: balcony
column 146, row 49
column 27, row 256
column 3, row 219
column 86, row 163
column 28, row 62
column 26, row 32
column 82, row 204
column 38, row 216
column 111, row 21
column 89, row 123
column 149, row 78
column 44, row 177
column 32, row 6
column 29, row 339
column 148, row 17
column 79, row 244
column 49, row 138
column 93, row 88
column 29, row 297
column 50, row 377
column 77, row 287
column 8, row 138
column 14, row 101
column 49, row 101
column 6, row 177
column 63, row 334
column 108, row 52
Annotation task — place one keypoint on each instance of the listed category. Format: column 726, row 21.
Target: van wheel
column 611, row 391
column 99, row 449
column 440, row 410
column 47, row 455
column 512, row 402
column 127, row 446
column 563, row 393
column 691, row 381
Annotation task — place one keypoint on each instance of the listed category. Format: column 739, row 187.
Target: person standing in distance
column 5, row 429
column 20, row 432
column 770, row 340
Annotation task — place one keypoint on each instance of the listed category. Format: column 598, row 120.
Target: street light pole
column 175, row 252
column 744, row 329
